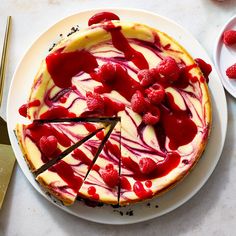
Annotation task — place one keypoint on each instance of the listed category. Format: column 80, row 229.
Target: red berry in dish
column 102, row 17
column 205, row 67
column 150, row 119
column 169, row 69
column 231, row 71
column 94, row 102
column 138, row 103
column 155, row 94
column 110, row 177
column 229, row 37
column 147, row 77
column 48, row 145
column 147, row 165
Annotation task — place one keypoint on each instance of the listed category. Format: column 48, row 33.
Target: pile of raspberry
column 229, row 39
column 146, row 101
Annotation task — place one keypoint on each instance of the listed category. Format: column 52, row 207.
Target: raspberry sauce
column 55, row 112
column 102, row 17
column 63, row 66
column 23, row 109
column 66, row 172
column 80, row 155
column 121, row 43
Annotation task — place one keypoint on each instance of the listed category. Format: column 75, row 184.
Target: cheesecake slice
column 102, row 182
column 64, row 179
column 41, row 142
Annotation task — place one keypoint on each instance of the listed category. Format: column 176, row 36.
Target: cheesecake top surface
column 146, row 79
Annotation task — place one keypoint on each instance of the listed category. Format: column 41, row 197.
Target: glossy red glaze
column 170, row 161
column 121, row 43
column 91, row 190
column 23, row 109
column 122, row 83
column 102, row 17
column 100, row 135
column 36, row 131
column 90, row 127
column 63, row 66
column 56, row 112
column 79, row 155
column 148, row 183
column 66, row 172
column 125, row 184
column 179, row 128
column 140, row 191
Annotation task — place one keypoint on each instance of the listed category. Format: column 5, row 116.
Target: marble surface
column 210, row 212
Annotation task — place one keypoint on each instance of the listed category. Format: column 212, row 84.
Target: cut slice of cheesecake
column 42, row 142
column 149, row 166
column 64, row 179
column 102, row 182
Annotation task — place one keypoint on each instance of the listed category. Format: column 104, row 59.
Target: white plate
column 21, row 85
column 225, row 56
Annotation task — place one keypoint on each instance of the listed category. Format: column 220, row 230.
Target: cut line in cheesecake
column 44, row 142
column 65, row 176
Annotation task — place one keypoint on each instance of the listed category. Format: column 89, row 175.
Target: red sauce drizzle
column 140, row 190
column 179, row 128
column 23, row 109
column 63, row 66
column 91, row 190
column 55, row 112
column 121, row 43
column 90, row 127
column 123, row 84
column 172, row 103
column 170, row 161
column 79, row 155
column 102, row 17
column 100, row 135
column 35, row 131
column 66, row 172
column 125, row 184
column 148, row 183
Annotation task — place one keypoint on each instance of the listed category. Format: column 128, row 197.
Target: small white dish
column 225, row 56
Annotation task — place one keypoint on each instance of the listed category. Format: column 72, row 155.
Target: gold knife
column 7, row 158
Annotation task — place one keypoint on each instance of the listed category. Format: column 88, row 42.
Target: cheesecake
column 143, row 82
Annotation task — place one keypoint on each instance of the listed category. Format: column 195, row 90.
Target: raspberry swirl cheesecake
column 153, row 92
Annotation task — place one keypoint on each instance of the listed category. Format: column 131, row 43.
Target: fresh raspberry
column 109, row 167
column 169, row 68
column 147, row 165
column 148, row 77
column 138, row 103
column 109, row 72
column 155, row 94
column 229, row 37
column 150, row 119
column 110, row 177
column 94, row 102
column 205, row 67
column 231, row 71
column 48, row 145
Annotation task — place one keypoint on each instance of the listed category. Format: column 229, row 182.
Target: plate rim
column 136, row 10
